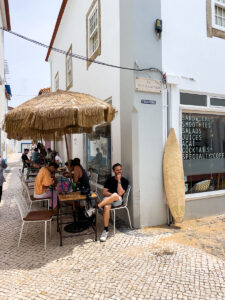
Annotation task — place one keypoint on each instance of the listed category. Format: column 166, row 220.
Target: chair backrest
column 26, row 194
column 22, row 205
column 126, row 195
column 93, row 181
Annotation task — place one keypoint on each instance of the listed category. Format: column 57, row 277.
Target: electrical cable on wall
column 84, row 58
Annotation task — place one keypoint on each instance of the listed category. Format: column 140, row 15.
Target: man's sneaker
column 104, row 236
column 89, row 212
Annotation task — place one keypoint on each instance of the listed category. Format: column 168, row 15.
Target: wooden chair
column 28, row 216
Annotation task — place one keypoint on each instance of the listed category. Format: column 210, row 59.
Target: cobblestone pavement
column 137, row 264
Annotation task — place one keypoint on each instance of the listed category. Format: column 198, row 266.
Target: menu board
column 201, row 136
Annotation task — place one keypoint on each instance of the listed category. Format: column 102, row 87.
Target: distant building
column 5, row 92
column 185, row 40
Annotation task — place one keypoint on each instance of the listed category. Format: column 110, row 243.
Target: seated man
column 25, row 158
column 113, row 191
column 43, row 181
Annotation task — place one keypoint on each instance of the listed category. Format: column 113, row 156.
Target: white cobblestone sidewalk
column 130, row 265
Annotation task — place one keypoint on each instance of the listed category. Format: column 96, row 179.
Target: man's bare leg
column 106, row 215
column 114, row 197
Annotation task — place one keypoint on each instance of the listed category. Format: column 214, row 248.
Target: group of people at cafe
column 38, row 156
column 113, row 191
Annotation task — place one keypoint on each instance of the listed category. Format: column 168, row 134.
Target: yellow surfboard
column 173, row 173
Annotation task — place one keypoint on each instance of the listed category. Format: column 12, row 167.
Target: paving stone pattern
column 130, row 265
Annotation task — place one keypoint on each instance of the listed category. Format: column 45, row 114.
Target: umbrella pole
column 54, row 141
column 68, row 158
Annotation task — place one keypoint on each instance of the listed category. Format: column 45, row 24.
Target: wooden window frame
column 98, row 50
column 212, row 29
column 69, row 85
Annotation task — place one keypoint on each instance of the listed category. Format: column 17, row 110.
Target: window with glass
column 203, row 148
column 219, row 13
column 99, row 152
column 93, row 31
column 69, row 69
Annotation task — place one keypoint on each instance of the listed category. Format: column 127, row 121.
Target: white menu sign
column 148, row 85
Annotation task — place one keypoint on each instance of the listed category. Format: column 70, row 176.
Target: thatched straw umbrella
column 57, row 113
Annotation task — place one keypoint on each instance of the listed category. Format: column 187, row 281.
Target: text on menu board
column 198, row 137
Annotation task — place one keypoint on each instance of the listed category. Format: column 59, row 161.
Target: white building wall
column 188, row 53
column 194, row 63
column 142, row 126
column 3, row 101
column 128, row 36
column 99, row 81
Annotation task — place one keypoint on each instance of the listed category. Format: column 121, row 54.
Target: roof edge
column 7, row 14
column 58, row 21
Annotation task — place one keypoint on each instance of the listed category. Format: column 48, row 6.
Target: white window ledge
column 205, row 195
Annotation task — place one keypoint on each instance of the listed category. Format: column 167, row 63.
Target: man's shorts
column 116, row 203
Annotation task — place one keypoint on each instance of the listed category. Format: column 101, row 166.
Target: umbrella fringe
column 57, row 112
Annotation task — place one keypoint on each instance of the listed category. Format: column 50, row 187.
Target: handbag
column 63, row 186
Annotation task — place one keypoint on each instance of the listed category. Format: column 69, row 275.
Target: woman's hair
column 75, row 162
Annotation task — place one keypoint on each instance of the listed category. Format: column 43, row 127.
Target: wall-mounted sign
column 143, row 101
column 148, row 85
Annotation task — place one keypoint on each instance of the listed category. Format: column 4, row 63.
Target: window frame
column 209, row 109
column 213, row 30
column 95, row 5
column 56, row 81
column 68, row 57
column 218, row 4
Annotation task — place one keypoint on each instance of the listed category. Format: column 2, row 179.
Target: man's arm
column 120, row 190
column 106, row 193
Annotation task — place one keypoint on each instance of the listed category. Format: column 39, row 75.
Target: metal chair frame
column 123, row 206
column 24, row 211
column 26, row 194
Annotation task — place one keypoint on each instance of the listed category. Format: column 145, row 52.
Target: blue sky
column 29, row 72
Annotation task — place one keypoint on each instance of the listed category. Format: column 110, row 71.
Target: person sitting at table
column 113, row 191
column 43, row 181
column 36, row 156
column 49, row 153
column 80, row 176
column 25, row 158
column 70, row 168
column 56, row 158
column 26, row 161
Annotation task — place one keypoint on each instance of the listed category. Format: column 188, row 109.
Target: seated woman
column 36, row 156
column 49, row 154
column 80, row 176
column 43, row 181
column 69, row 169
column 56, row 158
column 43, row 152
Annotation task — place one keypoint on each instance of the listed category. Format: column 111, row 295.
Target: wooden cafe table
column 75, row 197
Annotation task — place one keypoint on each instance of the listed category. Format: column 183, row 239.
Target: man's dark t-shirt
column 24, row 157
column 111, row 184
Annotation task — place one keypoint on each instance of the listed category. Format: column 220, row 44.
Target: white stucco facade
column 192, row 61
column 3, row 99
